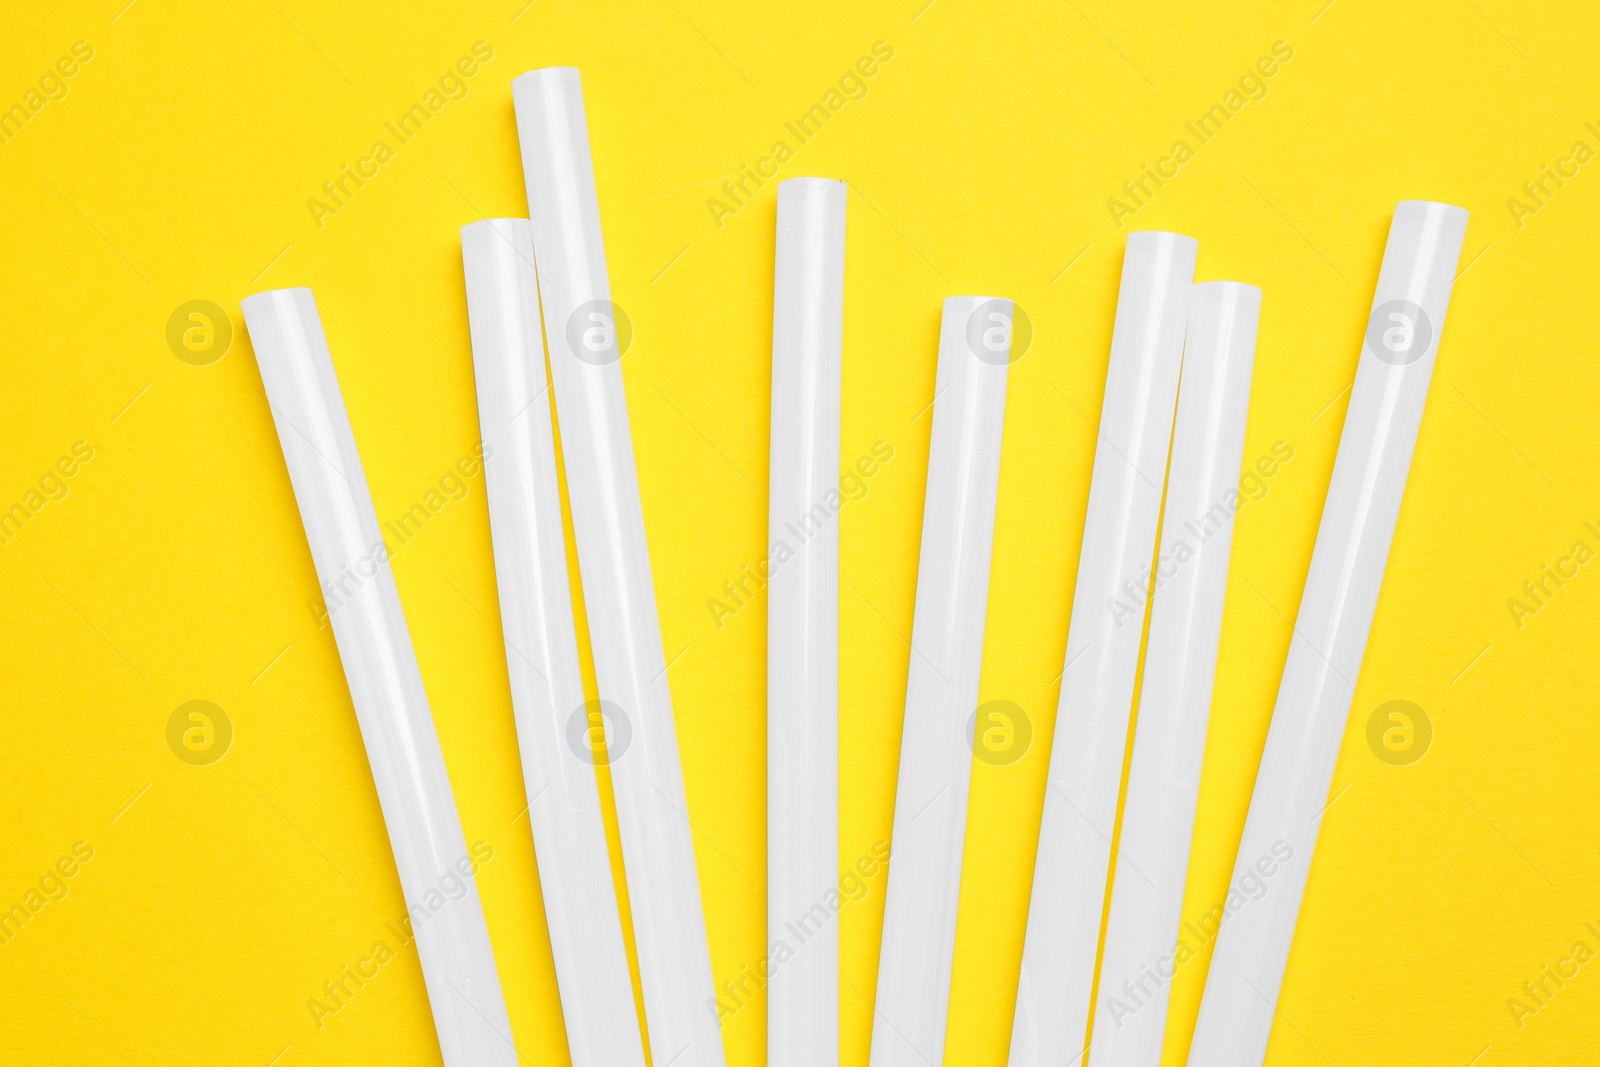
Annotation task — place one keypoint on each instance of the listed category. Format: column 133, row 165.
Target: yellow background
column 179, row 166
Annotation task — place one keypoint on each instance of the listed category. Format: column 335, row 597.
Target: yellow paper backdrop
column 178, row 162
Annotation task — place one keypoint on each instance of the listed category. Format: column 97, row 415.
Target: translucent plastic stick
column 586, row 335
column 1180, row 660
column 1331, row 629
column 1119, row 540
column 803, row 625
column 380, row 667
column 936, row 747
column 553, row 724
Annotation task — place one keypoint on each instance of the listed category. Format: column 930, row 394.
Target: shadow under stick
column 1331, row 629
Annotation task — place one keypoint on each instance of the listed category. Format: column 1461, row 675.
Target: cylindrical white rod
column 803, row 626
column 936, row 744
column 380, row 667
column 530, row 556
column 1180, row 661
column 1330, row 632
column 1091, row 734
column 585, row 333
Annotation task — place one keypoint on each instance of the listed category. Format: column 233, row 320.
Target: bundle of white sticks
column 1171, row 429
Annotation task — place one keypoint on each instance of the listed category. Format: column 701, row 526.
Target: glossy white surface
column 1086, row 757
column 380, row 668
column 553, row 724
column 936, row 750
column 585, row 335
column 1331, row 629
column 1140, row 955
column 803, row 625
